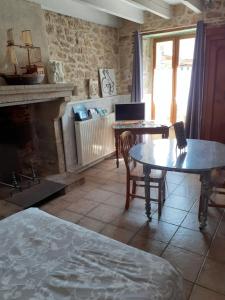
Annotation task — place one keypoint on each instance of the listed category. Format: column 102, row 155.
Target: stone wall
column 126, row 54
column 21, row 15
column 182, row 17
column 83, row 47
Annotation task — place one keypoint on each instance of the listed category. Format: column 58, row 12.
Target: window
column 172, row 65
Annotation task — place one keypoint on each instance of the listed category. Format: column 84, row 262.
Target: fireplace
column 30, row 130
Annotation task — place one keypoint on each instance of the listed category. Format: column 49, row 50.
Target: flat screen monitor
column 130, row 112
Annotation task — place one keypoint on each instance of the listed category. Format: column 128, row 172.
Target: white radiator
column 94, row 139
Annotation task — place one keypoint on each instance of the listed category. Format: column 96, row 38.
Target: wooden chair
column 217, row 186
column 135, row 174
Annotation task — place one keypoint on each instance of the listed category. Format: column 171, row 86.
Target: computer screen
column 130, row 111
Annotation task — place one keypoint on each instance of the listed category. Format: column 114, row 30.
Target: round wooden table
column 199, row 157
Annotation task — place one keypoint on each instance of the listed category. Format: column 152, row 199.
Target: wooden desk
column 137, row 129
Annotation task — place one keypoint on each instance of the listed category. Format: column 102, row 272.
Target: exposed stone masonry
column 84, row 47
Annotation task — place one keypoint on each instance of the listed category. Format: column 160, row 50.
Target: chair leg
column 134, row 187
column 164, row 190
column 127, row 194
column 160, row 186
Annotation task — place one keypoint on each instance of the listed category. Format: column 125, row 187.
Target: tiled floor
column 199, row 256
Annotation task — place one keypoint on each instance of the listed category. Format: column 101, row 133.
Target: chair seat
column 155, row 175
column 218, row 178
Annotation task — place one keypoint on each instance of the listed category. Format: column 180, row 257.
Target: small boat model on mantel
column 33, row 72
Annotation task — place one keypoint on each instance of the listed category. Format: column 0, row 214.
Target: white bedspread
column 45, row 258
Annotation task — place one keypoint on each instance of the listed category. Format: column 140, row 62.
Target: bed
column 45, row 258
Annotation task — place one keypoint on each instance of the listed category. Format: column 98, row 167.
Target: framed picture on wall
column 108, row 82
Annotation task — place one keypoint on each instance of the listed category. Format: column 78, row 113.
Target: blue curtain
column 137, row 77
column 194, row 109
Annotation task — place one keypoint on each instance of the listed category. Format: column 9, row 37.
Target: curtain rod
column 171, row 29
column 167, row 30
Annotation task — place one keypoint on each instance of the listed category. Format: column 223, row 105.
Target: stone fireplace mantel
column 35, row 112
column 26, row 94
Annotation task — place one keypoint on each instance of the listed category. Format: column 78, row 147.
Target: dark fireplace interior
column 28, row 139
column 18, row 141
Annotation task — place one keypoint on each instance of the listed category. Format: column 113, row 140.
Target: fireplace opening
column 18, row 141
column 28, row 153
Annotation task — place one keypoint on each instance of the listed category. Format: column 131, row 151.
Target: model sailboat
column 33, row 71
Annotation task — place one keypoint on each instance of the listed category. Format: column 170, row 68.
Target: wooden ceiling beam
column 119, row 8
column 195, row 5
column 157, row 7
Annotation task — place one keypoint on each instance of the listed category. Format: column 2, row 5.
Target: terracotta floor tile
column 91, row 172
column 200, row 293
column 98, row 195
column 92, row 224
column 69, row 216
column 116, row 200
column 194, row 241
column 153, row 192
column 115, row 187
column 221, row 229
column 118, row 234
column 158, row 230
column 179, row 202
column 187, row 190
column 82, row 206
column 186, row 262
column 212, row 276
column 191, row 222
column 105, row 213
column 170, row 188
column 213, row 212
column 49, row 209
column 74, row 195
column 103, row 174
column 54, row 206
column 174, row 177
column 89, row 186
column 171, row 215
column 149, row 245
column 121, row 178
column 138, row 205
column 96, row 180
column 130, row 221
column 187, row 288
column 7, row 209
column 108, row 165
column 217, row 249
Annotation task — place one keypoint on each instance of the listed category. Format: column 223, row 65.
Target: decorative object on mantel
column 33, row 72
column 55, row 71
column 108, row 82
column 93, row 89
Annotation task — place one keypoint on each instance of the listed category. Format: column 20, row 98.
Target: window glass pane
column 162, row 87
column 186, row 50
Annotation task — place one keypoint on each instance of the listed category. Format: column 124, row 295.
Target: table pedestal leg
column 147, row 172
column 204, row 199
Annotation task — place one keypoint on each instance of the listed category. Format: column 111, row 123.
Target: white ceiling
column 110, row 12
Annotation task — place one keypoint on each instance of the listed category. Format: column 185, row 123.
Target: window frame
column 175, row 63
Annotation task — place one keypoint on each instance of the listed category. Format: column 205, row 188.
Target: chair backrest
column 180, row 134
column 127, row 140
